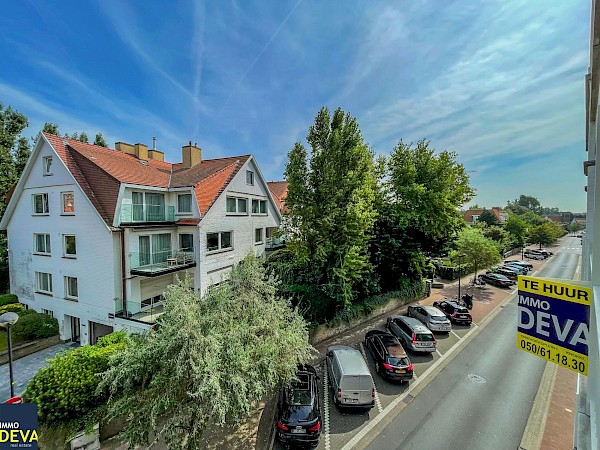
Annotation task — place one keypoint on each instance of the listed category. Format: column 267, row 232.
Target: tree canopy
column 480, row 252
column 488, row 217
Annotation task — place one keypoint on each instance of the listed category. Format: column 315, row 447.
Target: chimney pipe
column 154, row 143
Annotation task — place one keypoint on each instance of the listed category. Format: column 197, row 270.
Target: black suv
column 299, row 409
column 391, row 361
column 455, row 312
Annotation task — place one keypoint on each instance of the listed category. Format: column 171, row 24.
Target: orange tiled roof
column 279, row 191
column 100, row 172
column 469, row 213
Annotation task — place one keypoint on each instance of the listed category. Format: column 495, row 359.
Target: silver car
column 433, row 318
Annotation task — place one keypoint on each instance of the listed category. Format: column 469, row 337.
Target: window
column 43, row 282
column 259, row 206
column 219, row 241
column 42, row 243
column 71, row 288
column 47, row 162
column 186, row 242
column 258, row 235
column 237, row 205
column 184, row 203
column 68, row 202
column 250, row 177
column 70, row 250
column 40, row 204
column 150, row 302
column 48, row 312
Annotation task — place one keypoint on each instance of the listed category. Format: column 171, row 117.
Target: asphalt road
column 483, row 398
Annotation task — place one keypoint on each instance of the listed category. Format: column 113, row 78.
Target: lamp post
column 459, row 273
column 522, row 253
column 6, row 321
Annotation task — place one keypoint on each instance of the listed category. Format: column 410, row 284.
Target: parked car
column 511, row 274
column 391, row 361
column 349, row 377
column 299, row 409
column 496, row 279
column 545, row 252
column 433, row 318
column 519, row 269
column 454, row 312
column 412, row 334
column 533, row 254
column 521, row 263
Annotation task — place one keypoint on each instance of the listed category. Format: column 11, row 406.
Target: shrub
column 7, row 299
column 65, row 389
column 13, row 307
column 35, row 326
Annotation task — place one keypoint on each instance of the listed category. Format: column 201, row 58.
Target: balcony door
column 155, row 207
column 161, row 248
column 145, row 255
column 137, row 200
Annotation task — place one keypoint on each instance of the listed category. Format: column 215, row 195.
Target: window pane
column 68, row 202
column 249, row 177
column 263, row 206
column 231, row 204
column 212, row 241
column 47, row 165
column 242, row 205
column 258, row 235
column 71, row 286
column 255, row 207
column 184, row 202
column 39, row 204
column 186, row 242
column 161, row 247
column 226, row 239
column 70, row 245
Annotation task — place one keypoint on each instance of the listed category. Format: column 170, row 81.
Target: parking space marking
column 438, row 352
column 361, row 347
column 326, row 410
column 452, row 331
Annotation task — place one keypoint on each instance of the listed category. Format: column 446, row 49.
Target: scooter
column 467, row 300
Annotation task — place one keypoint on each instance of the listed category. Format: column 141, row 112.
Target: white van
column 349, row 377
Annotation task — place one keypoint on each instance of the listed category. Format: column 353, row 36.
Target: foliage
column 12, row 307
column 532, row 219
column 488, row 217
column 500, row 236
column 35, row 326
column 66, row 388
column 574, row 227
column 529, row 202
column 546, row 233
column 209, row 359
column 330, row 201
column 517, row 229
column 479, row 251
column 51, row 128
column 99, row 140
column 7, row 299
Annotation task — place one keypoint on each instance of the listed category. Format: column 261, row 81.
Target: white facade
column 119, row 281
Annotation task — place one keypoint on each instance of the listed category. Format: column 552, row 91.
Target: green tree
column 51, row 128
column 208, row 360
column 529, row 202
column 330, row 200
column 479, row 251
column 21, row 155
column 83, row 137
column 532, row 218
column 574, row 227
column 488, row 217
column 500, row 236
column 517, row 229
column 100, row 140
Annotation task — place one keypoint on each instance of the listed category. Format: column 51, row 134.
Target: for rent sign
column 554, row 321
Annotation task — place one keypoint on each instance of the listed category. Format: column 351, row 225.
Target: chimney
column 153, row 142
column 141, row 151
column 156, row 155
column 191, row 155
column 125, row 148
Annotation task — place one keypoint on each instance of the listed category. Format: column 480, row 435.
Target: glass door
column 144, row 251
column 137, row 200
column 155, row 207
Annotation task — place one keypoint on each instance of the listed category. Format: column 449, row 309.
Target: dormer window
column 47, row 163
column 184, row 203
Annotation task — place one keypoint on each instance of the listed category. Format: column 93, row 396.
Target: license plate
column 401, row 371
column 351, row 400
column 463, row 317
column 300, row 431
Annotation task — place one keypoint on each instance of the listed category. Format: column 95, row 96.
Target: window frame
column 181, row 247
column 47, row 244
column 38, row 284
column 69, row 295
column 251, row 174
column 261, row 207
column 220, row 247
column 262, row 237
column 45, row 204
column 47, row 168
column 62, row 203
column 237, row 200
column 181, row 211
column 65, row 254
column 48, row 312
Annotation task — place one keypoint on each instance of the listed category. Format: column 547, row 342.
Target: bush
column 34, row 325
column 13, row 307
column 65, row 389
column 7, row 299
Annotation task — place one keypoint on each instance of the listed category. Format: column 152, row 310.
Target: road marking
column 438, row 352
column 326, row 410
column 377, row 399
column 452, row 331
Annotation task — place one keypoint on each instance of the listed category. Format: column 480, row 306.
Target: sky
column 499, row 82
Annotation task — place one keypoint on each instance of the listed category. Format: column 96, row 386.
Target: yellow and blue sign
column 18, row 426
column 553, row 321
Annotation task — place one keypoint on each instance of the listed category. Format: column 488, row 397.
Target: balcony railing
column 146, row 313
column 157, row 263
column 273, row 243
column 132, row 213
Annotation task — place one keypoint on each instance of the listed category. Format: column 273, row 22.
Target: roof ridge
column 216, row 173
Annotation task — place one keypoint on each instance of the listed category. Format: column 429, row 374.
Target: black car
column 299, row 409
column 391, row 361
column 511, row 274
column 496, row 279
column 455, row 312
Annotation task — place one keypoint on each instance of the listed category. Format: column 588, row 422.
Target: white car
column 433, row 318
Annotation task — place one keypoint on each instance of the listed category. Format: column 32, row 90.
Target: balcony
column 160, row 263
column 138, row 312
column 274, row 243
column 146, row 213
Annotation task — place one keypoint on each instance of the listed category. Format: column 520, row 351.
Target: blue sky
column 499, row 82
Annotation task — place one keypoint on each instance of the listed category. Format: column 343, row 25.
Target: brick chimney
column 191, row 155
column 141, row 151
column 125, row 148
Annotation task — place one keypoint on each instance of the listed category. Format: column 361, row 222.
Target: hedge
column 34, row 325
column 65, row 389
column 7, row 299
column 12, row 307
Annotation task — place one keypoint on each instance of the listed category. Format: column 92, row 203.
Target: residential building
column 96, row 235
column 472, row 215
column 279, row 192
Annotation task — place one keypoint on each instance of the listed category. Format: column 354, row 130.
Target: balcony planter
column 87, row 441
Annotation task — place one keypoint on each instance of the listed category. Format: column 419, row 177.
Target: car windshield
column 398, row 361
column 425, row 337
column 438, row 318
column 501, row 277
column 299, row 397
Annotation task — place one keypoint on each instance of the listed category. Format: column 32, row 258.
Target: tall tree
column 21, row 155
column 208, row 361
column 331, row 204
column 83, row 137
column 517, row 229
column 100, row 140
column 529, row 202
column 488, row 217
column 480, row 252
column 51, row 128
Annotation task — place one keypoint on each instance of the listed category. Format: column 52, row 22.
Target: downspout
column 123, row 287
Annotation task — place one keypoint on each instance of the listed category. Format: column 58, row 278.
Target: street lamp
column 522, row 253
column 459, row 273
column 7, row 320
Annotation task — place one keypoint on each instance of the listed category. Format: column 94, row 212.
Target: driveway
column 25, row 368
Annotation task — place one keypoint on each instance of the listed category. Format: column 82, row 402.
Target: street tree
column 517, row 229
column 532, row 219
column 479, row 251
column 500, row 236
column 574, row 227
column 208, row 360
column 330, row 201
column 488, row 217
column 545, row 234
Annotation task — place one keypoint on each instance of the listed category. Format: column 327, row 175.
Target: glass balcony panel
column 137, row 311
column 139, row 213
column 164, row 261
